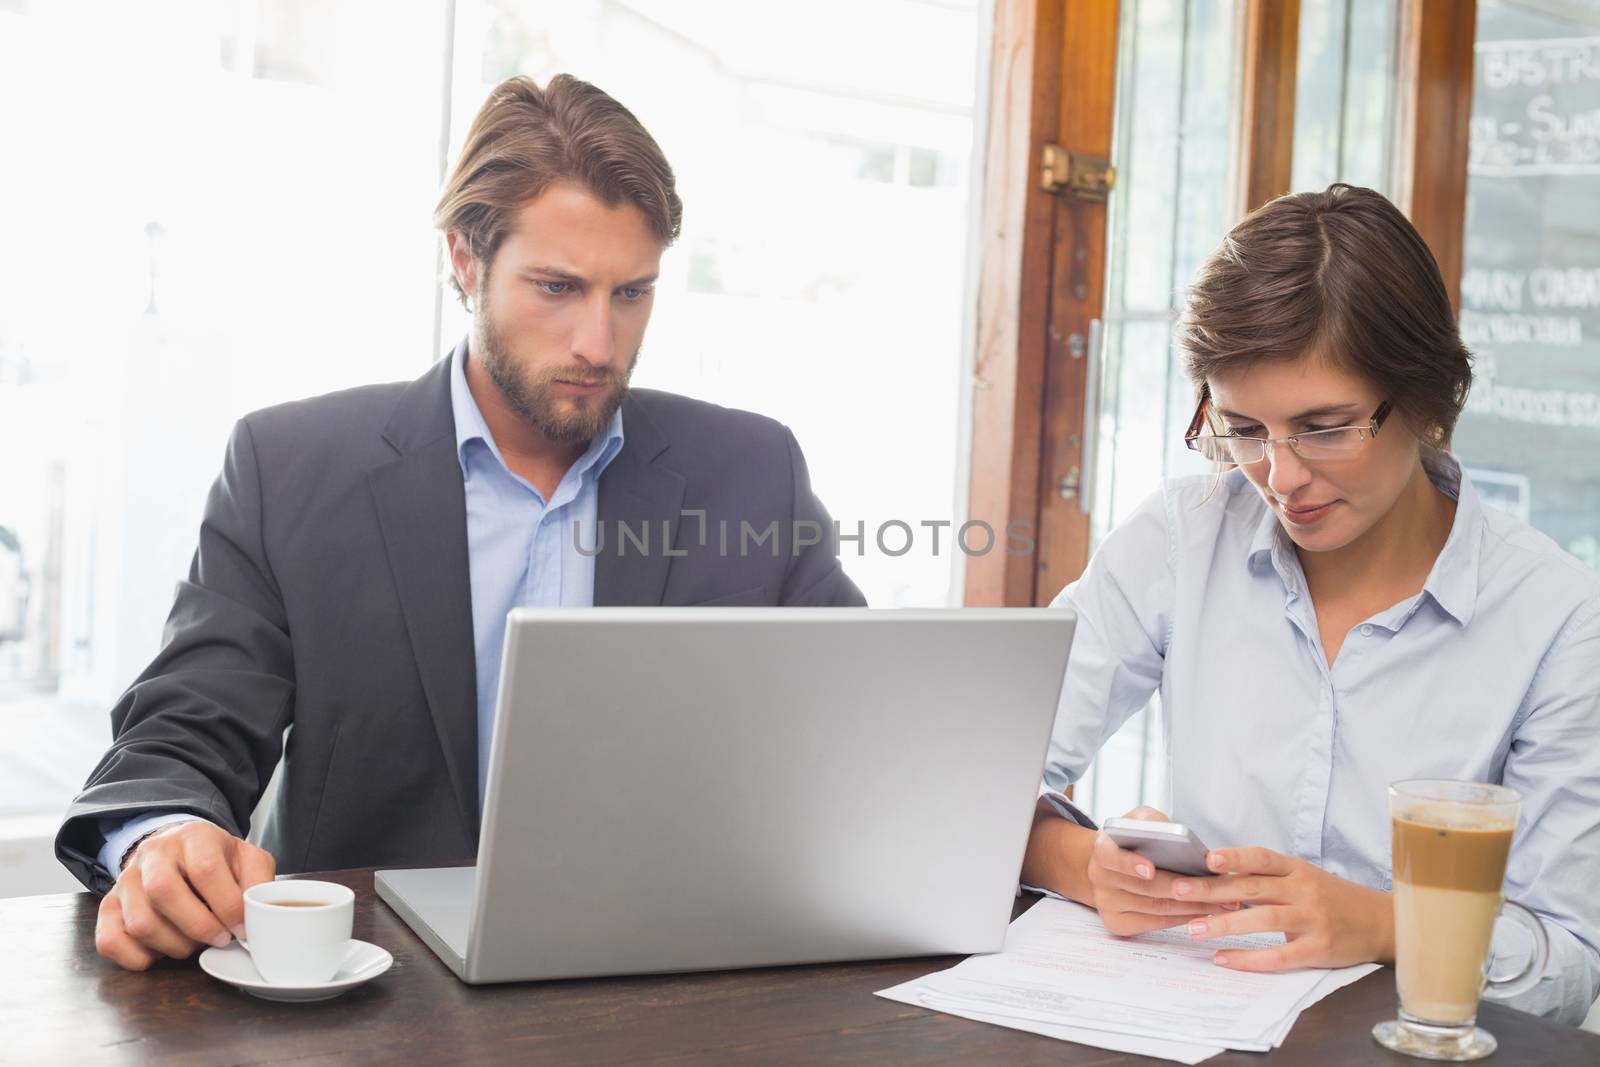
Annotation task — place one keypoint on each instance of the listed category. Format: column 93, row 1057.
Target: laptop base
column 437, row 904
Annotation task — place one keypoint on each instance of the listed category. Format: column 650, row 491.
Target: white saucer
column 234, row 966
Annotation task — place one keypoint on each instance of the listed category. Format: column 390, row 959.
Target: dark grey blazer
column 330, row 590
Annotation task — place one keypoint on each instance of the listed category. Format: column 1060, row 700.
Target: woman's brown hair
column 1343, row 275
column 525, row 139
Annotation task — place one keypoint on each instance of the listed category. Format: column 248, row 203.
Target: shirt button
column 1366, row 630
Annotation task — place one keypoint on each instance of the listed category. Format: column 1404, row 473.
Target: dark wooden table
column 61, row 1003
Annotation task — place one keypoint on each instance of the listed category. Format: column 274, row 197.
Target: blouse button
column 1366, row 630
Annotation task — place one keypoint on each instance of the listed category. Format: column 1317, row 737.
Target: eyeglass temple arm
column 1379, row 417
column 1198, row 423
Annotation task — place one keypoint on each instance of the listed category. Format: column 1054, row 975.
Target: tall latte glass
column 1451, row 840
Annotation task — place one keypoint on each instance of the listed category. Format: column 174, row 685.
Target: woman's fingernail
column 221, row 941
column 1198, row 929
column 1216, row 861
column 1232, row 905
column 1220, row 959
column 238, row 932
column 1181, row 888
column 1143, row 871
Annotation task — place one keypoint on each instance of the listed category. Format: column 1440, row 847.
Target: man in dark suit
column 360, row 551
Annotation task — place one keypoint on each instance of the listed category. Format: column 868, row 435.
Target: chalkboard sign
column 1530, row 286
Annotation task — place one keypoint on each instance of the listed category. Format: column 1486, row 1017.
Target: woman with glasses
column 1334, row 610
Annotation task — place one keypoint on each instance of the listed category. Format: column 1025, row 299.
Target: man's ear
column 462, row 263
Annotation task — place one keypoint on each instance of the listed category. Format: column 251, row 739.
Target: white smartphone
column 1171, row 846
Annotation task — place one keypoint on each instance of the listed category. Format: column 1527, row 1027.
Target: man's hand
column 1132, row 896
column 183, row 887
column 1328, row 921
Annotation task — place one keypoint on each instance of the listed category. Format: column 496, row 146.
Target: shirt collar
column 1268, row 542
column 470, row 426
column 1453, row 581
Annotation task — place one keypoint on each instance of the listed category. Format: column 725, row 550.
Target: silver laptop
column 702, row 788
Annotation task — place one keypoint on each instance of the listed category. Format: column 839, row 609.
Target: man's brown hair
column 524, row 139
column 1341, row 274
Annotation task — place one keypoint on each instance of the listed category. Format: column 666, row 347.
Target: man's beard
column 566, row 420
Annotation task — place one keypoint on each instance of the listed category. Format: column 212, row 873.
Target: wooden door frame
column 1268, row 77
column 1013, row 295
column 1041, row 280
column 1077, row 297
column 1433, row 120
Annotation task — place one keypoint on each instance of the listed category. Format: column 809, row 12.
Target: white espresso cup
column 298, row 931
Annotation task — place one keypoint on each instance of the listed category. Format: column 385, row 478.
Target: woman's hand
column 1131, row 895
column 1328, row 921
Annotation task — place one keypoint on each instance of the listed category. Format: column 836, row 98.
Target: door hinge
column 1074, row 173
column 1070, row 484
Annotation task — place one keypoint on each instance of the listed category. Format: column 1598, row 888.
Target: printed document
column 1063, row 974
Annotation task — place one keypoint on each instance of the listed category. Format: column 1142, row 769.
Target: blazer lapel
column 639, row 491
column 421, row 504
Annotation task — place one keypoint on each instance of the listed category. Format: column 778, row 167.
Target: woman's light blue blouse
column 1490, row 673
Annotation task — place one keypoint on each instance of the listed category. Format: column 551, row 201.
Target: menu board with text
column 1530, row 286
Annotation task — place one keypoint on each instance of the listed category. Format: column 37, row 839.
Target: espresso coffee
column 298, row 903
column 1447, row 882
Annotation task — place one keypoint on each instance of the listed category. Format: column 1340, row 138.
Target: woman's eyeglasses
column 1338, row 443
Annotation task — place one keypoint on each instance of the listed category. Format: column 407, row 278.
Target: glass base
column 1412, row 1037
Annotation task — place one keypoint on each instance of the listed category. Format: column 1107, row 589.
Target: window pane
column 1344, row 93
column 1369, row 91
column 821, row 277
column 1171, row 205
column 1530, row 285
column 1177, row 95
column 223, row 206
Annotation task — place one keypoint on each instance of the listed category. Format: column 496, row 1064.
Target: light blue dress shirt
column 1490, row 673
column 522, row 553
column 522, row 547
